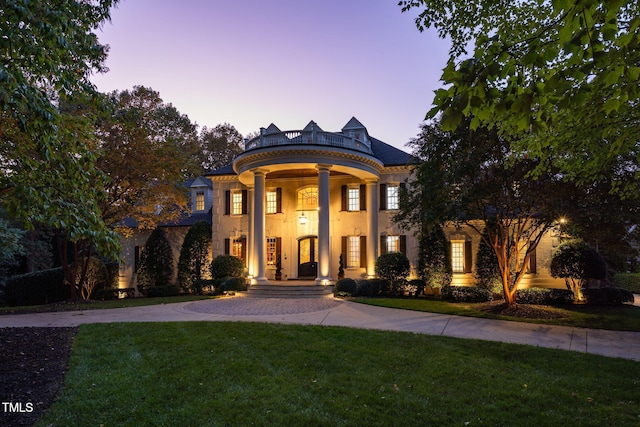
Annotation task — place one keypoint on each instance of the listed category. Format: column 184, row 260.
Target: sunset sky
column 253, row 62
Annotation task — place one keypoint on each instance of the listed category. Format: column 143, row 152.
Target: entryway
column 308, row 258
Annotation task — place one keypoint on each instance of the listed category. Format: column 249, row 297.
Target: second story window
column 272, row 202
column 392, row 197
column 353, row 199
column 236, row 203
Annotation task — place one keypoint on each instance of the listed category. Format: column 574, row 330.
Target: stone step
column 288, row 291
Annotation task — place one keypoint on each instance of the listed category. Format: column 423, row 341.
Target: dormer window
column 200, row 201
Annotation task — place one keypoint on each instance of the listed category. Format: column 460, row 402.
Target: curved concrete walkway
column 328, row 311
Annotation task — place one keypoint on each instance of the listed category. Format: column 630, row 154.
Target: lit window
column 353, row 252
column 200, row 201
column 272, row 202
column 308, row 199
column 236, row 248
column 457, row 257
column 236, row 203
column 353, row 199
column 392, row 197
column 271, row 250
column 393, row 243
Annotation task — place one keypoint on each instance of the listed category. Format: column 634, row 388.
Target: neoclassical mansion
column 305, row 199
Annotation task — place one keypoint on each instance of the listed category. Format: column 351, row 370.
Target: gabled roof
column 353, row 124
column 309, row 127
column 200, row 182
column 272, row 129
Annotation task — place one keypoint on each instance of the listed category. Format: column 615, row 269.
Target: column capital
column 260, row 171
column 320, row 167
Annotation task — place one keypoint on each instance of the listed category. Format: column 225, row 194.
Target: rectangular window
column 353, row 199
column 200, row 201
column 271, row 250
column 236, row 203
column 393, row 243
column 236, row 248
column 272, row 202
column 353, row 252
column 457, row 256
column 392, row 197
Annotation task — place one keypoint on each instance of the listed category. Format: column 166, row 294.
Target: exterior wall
column 286, row 224
column 541, row 278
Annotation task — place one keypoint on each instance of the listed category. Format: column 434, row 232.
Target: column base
column 324, row 281
column 260, row 281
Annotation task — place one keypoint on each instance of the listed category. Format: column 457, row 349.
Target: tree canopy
column 219, row 145
column 559, row 78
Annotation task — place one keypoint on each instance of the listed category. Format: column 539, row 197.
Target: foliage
column 194, row 255
column 219, row 146
column 233, row 284
column 628, row 281
column 156, row 262
column 394, row 267
column 542, row 296
column 467, row 178
column 147, row 150
column 370, row 287
column 346, row 285
column 11, row 246
column 202, row 286
column 434, row 264
column 341, row 267
column 95, row 274
column 48, row 56
column 162, row 291
column 40, row 287
column 416, row 287
column 466, row 294
column 224, row 266
column 487, row 271
column 562, row 74
column 576, row 261
column 607, row 296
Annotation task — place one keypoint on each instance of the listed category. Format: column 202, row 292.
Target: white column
column 372, row 223
column 251, row 249
column 324, row 275
column 258, row 225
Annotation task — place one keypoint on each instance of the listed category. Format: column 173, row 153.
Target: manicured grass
column 240, row 374
column 93, row 305
column 621, row 318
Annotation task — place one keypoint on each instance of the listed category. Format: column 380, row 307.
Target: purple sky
column 254, row 62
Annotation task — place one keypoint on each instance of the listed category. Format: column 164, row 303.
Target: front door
column 308, row 258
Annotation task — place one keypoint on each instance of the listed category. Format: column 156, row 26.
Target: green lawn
column 241, row 374
column 621, row 318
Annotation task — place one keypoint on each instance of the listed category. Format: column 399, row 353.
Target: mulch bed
column 524, row 311
column 33, row 363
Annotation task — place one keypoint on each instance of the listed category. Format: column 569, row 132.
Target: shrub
column 394, row 267
column 194, row 254
column 224, row 266
column 346, row 285
column 39, row 287
column 607, row 296
column 233, row 284
column 466, row 294
column 416, row 287
column 541, row 296
column 434, row 263
column 156, row 262
column 576, row 261
column 368, row 288
column 202, row 285
column 96, row 276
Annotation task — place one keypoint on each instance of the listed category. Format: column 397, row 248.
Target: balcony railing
column 308, row 137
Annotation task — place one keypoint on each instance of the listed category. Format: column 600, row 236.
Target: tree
column 467, row 178
column 147, row 150
column 487, row 269
column 576, row 262
column 219, row 146
column 394, row 267
column 434, row 265
column 47, row 170
column 558, row 78
column 194, row 256
column 156, row 262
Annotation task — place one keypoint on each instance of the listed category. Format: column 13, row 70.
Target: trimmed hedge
column 233, row 284
column 628, row 281
column 543, row 296
column 39, row 287
column 466, row 294
column 346, row 285
column 163, row 291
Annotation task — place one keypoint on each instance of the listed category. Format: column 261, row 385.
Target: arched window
column 308, row 199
